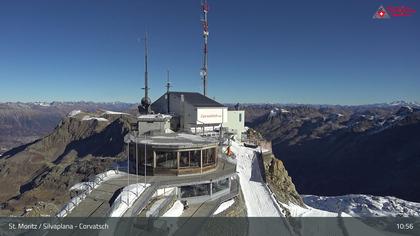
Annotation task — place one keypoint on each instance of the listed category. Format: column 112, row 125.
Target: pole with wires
column 137, row 164
column 145, row 160
column 128, row 173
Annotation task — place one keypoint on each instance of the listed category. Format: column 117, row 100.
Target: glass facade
column 166, row 160
column 209, row 156
column 188, row 159
column 178, row 160
column 195, row 190
column 149, row 155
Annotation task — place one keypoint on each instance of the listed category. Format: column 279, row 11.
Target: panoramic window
column 209, row 156
column 149, row 155
column 190, row 159
column 166, row 160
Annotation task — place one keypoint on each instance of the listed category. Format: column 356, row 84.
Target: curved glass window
column 189, row 159
column 166, row 160
column 209, row 156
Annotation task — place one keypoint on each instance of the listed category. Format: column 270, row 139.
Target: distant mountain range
column 360, row 205
column 344, row 150
column 22, row 123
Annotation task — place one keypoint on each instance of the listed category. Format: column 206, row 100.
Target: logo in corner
column 381, row 13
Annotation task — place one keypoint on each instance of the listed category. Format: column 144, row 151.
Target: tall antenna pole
column 145, row 101
column 146, row 79
column 168, row 82
column 204, row 70
column 168, row 86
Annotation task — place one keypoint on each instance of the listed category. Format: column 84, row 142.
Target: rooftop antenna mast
column 168, row 86
column 204, row 70
column 145, row 102
column 168, row 82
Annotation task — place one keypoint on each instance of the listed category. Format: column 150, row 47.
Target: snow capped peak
column 404, row 103
column 85, row 118
column 73, row 113
column 275, row 111
column 115, row 113
column 360, row 205
column 408, row 108
column 42, row 104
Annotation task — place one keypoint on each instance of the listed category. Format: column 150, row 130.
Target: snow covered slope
column 258, row 200
column 364, row 205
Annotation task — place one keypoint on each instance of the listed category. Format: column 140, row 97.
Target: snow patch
column 298, row 211
column 360, row 205
column 73, row 113
column 114, row 113
column 176, row 210
column 126, row 199
column 224, row 206
column 258, row 200
column 94, row 118
column 154, row 116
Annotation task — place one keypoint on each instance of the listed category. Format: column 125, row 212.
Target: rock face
column 81, row 146
column 279, row 181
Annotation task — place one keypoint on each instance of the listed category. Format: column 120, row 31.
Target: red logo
column 386, row 13
column 381, row 13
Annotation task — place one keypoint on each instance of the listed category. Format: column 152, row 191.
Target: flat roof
column 172, row 140
column 195, row 99
column 154, row 117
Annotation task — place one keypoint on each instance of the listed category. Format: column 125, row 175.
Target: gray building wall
column 236, row 123
column 186, row 112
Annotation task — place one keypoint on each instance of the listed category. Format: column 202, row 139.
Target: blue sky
column 329, row 52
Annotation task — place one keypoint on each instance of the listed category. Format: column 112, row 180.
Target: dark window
column 149, row 155
column 209, row 156
column 189, row 159
column 195, row 190
column 166, row 160
column 240, row 117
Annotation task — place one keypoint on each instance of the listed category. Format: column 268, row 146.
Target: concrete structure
column 153, row 123
column 235, row 123
column 194, row 112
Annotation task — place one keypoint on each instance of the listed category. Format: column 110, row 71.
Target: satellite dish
column 203, row 73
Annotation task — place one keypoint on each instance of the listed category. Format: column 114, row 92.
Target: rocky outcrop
column 279, row 181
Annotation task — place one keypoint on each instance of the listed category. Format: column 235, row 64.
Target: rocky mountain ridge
column 81, row 146
column 21, row 123
column 344, row 150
